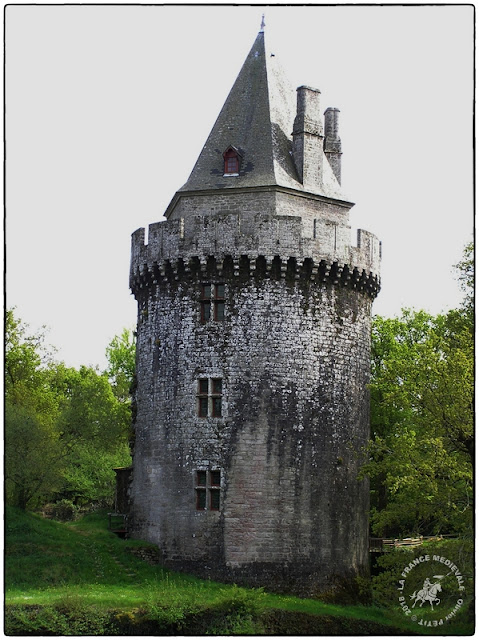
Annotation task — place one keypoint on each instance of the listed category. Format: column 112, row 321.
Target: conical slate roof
column 256, row 119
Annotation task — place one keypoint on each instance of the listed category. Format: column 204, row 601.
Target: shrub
column 63, row 510
column 61, row 620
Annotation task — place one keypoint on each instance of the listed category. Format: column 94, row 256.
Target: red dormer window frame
column 232, row 162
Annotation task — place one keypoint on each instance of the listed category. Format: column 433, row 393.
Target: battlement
column 236, row 237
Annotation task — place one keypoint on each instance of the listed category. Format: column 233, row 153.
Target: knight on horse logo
column 428, row 592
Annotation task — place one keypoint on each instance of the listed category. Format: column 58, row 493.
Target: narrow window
column 212, row 301
column 216, row 391
column 214, row 499
column 209, row 397
column 207, row 490
column 203, row 398
column 219, row 302
column 205, row 302
column 201, row 499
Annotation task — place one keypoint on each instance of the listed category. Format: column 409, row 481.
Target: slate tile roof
column 257, row 118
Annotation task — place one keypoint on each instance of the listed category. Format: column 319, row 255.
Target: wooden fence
column 381, row 545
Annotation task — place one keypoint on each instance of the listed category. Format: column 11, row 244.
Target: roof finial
column 261, row 29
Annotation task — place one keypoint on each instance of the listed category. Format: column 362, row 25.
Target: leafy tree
column 121, row 371
column 90, row 412
column 121, row 355
column 34, row 458
column 422, row 447
column 65, row 429
column 93, row 426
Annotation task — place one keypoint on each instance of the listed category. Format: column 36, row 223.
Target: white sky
column 108, row 107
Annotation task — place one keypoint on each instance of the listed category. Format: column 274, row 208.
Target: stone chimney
column 308, row 137
column 332, row 141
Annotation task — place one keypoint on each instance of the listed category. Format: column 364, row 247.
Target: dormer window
column 232, row 165
column 232, row 161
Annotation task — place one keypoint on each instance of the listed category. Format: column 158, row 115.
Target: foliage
column 65, row 429
column 94, row 425
column 465, row 270
column 34, row 456
column 121, row 355
column 64, row 510
column 422, row 424
column 422, row 448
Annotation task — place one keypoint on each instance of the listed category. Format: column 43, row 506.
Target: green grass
column 80, row 579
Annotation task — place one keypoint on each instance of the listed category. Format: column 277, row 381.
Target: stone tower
column 253, row 347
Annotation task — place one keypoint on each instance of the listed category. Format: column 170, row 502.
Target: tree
column 121, row 371
column 94, row 427
column 121, row 355
column 34, row 458
column 65, row 429
column 422, row 448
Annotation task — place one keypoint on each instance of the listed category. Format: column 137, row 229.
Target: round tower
column 253, row 346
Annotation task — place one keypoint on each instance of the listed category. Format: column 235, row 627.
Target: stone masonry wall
column 293, row 356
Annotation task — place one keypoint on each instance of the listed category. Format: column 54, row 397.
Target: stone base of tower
column 300, row 579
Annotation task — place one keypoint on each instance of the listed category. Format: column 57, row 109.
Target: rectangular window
column 231, row 165
column 205, row 311
column 216, row 386
column 209, row 398
column 219, row 302
column 203, row 407
column 200, row 499
column 214, row 499
column 203, row 385
column 216, row 407
column 215, row 478
column 216, row 391
column 212, row 302
column 207, row 490
column 201, row 478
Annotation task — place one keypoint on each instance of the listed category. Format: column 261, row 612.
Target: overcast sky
column 108, row 107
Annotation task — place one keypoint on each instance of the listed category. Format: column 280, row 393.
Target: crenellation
column 282, row 236
column 275, row 235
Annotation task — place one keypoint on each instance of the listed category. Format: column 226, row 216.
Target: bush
column 63, row 510
column 61, row 620
column 236, row 611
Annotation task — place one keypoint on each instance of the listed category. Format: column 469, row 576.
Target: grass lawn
column 78, row 578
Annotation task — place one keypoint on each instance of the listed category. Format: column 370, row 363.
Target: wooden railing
column 381, row 545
